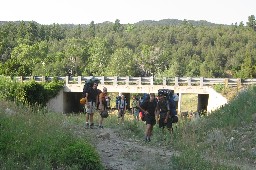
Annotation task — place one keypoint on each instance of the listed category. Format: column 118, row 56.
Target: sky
column 127, row 11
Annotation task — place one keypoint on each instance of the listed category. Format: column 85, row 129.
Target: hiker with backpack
column 121, row 106
column 135, row 110
column 163, row 112
column 103, row 106
column 91, row 94
column 148, row 106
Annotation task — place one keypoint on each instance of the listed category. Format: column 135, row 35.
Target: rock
column 9, row 111
column 254, row 117
column 104, row 135
column 231, row 144
column 254, row 151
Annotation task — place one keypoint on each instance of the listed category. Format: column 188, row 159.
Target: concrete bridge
column 208, row 99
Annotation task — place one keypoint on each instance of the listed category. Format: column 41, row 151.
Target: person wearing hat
column 163, row 113
column 103, row 106
column 121, row 109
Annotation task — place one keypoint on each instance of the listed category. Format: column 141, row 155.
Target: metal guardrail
column 170, row 81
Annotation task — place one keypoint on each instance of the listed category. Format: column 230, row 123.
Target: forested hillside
column 147, row 48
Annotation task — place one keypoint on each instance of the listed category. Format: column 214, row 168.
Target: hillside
column 225, row 139
column 165, row 48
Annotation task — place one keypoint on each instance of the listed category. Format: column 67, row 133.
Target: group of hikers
column 160, row 109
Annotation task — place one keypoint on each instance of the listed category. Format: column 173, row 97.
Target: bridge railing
column 170, row 81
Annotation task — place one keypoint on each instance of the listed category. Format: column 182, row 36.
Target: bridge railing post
column 139, row 81
column 151, row 80
column 164, row 81
column 79, row 79
column 189, row 81
column 67, row 79
column 115, row 80
column 102, row 81
column 201, row 81
column 176, row 81
column 43, row 78
column 226, row 82
column 127, row 80
column 239, row 82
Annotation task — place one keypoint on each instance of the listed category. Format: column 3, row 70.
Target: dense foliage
column 164, row 48
column 30, row 92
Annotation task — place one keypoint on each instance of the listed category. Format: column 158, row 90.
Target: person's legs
column 92, row 110
column 119, row 116
column 87, row 119
column 148, row 132
column 169, row 125
column 91, row 120
column 122, row 117
column 101, row 122
column 88, row 115
column 151, row 131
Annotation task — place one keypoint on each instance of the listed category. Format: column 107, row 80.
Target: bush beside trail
column 31, row 92
column 39, row 140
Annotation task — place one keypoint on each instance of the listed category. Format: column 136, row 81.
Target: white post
column 79, row 79
column 179, row 103
column 176, row 81
column 201, row 81
column 67, row 79
column 164, row 81
column 189, row 81
column 127, row 80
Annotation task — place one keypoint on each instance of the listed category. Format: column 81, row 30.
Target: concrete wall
column 56, row 104
column 215, row 101
column 65, row 103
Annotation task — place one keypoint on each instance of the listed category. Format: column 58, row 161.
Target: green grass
column 34, row 139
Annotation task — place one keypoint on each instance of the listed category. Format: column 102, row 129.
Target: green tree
column 122, row 63
column 251, row 22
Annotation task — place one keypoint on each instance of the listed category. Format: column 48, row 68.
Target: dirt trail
column 117, row 153
column 127, row 154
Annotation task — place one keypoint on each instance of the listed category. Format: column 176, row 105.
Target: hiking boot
column 101, row 127
column 148, row 139
column 86, row 125
column 91, row 125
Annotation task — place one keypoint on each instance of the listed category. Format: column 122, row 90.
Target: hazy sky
column 127, row 11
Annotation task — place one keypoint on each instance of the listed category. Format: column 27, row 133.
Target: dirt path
column 121, row 154
column 117, row 153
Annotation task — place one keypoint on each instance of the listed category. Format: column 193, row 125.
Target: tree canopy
column 148, row 48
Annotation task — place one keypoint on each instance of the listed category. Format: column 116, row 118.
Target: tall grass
column 35, row 139
column 223, row 140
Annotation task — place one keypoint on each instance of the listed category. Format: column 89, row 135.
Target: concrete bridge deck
column 208, row 98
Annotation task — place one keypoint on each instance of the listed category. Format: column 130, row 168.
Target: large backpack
column 118, row 100
column 171, row 98
column 145, row 98
column 88, row 85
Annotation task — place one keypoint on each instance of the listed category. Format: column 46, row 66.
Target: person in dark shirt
column 163, row 113
column 92, row 99
column 149, row 108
